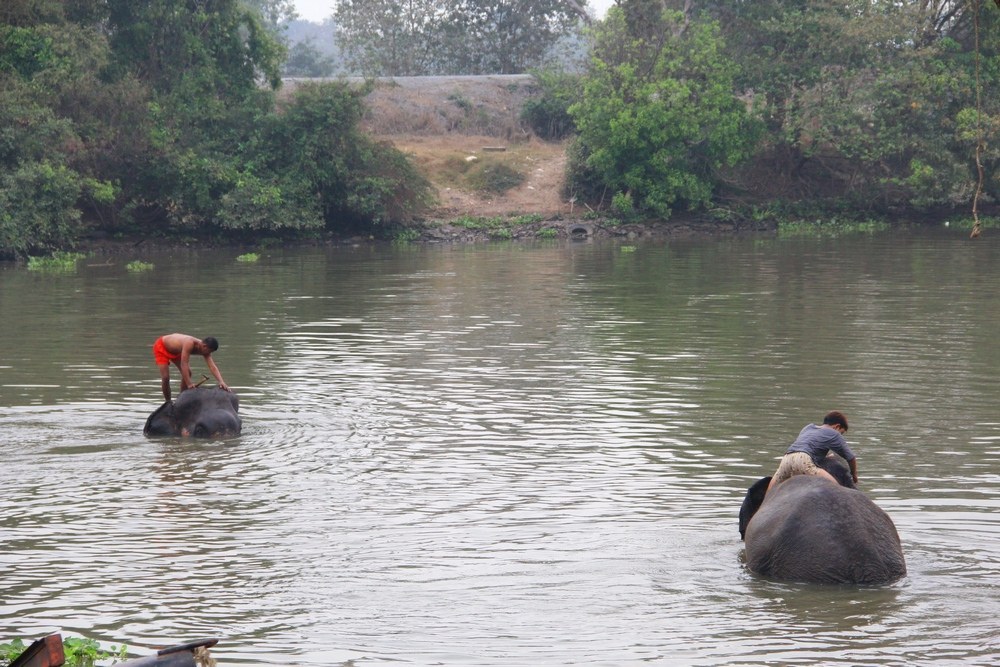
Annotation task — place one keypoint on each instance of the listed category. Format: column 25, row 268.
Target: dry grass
column 447, row 126
column 435, row 105
column 449, row 162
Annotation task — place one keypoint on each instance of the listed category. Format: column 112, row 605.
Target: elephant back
column 811, row 530
column 755, row 494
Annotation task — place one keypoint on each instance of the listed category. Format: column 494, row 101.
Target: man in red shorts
column 177, row 348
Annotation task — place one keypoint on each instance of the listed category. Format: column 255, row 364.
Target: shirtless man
column 177, row 348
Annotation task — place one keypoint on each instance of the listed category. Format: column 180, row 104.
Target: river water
column 503, row 454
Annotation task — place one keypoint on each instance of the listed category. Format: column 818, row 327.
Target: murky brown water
column 502, row 455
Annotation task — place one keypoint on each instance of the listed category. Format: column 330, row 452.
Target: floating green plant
column 57, row 262
column 405, row 236
column 78, row 652
column 138, row 266
column 248, row 257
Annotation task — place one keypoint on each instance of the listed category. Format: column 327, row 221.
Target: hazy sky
column 318, row 10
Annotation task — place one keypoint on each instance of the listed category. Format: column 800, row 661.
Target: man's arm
column 838, row 444
column 215, row 371
column 185, row 364
column 853, row 464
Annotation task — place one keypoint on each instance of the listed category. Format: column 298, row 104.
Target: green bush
column 659, row 123
column 253, row 203
column 496, row 178
column 352, row 179
column 583, row 182
column 622, row 204
column 38, row 208
column 385, row 187
column 548, row 116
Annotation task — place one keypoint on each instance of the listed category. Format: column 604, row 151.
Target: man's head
column 836, row 418
column 210, row 344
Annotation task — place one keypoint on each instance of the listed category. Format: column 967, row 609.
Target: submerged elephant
column 810, row 530
column 202, row 412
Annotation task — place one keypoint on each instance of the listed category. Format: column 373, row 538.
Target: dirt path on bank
column 543, row 165
column 449, row 125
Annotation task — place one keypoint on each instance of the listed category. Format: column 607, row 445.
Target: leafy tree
column 38, row 207
column 49, row 115
column 390, row 38
column 863, row 101
column 24, row 51
column 313, row 49
column 658, row 116
column 393, row 38
column 274, row 13
column 503, row 36
column 202, row 61
column 217, row 47
column 315, row 142
column 304, row 59
column 548, row 114
column 151, row 116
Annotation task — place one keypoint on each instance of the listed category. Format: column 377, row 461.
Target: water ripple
column 508, row 457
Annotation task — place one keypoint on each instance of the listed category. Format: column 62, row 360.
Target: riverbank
column 443, row 232
column 455, row 129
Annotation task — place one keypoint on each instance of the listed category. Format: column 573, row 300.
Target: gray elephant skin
column 204, row 412
column 810, row 530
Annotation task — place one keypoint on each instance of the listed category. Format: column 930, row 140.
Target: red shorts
column 162, row 354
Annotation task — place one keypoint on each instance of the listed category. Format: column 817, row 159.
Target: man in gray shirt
column 811, row 447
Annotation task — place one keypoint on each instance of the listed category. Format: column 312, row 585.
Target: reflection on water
column 501, row 455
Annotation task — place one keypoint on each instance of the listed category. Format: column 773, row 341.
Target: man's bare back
column 177, row 348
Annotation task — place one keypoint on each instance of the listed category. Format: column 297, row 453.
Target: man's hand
column 224, row 386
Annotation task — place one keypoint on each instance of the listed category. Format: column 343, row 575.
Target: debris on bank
column 48, row 652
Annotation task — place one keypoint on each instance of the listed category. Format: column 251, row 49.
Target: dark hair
column 835, row 418
column 211, row 342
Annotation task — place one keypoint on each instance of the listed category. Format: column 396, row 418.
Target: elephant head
column 811, row 530
column 201, row 412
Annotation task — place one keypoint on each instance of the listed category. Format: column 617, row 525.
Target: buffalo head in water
column 201, row 412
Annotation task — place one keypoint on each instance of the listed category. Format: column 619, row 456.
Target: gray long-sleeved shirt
column 817, row 442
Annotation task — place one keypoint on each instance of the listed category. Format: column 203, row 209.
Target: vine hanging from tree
column 976, row 225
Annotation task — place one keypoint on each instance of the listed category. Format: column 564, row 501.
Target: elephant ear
column 752, row 503
column 839, row 470
column 161, row 421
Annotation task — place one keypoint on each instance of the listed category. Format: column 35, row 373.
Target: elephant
column 810, row 530
column 203, row 412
